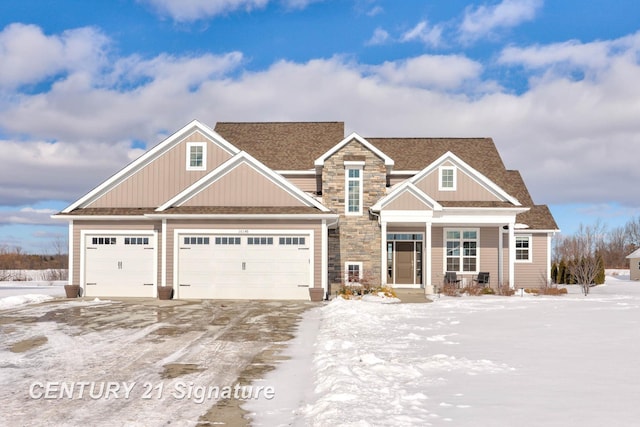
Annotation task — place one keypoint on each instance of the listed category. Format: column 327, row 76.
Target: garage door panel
column 255, row 266
column 119, row 265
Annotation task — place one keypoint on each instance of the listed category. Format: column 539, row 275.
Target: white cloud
column 376, row 10
column 429, row 71
column 422, row 32
column 483, row 20
column 28, row 56
column 574, row 140
column 593, row 56
column 380, row 36
column 194, row 10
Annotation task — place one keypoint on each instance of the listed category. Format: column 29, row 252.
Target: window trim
column 461, row 256
column 191, row 145
column 346, row 272
column 441, row 169
column 529, row 237
column 353, row 165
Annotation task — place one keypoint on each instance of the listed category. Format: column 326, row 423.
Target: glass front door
column 404, row 259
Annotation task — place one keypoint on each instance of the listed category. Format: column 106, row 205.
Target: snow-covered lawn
column 469, row 361
column 13, row 294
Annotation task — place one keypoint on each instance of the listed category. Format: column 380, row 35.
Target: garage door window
column 196, row 240
column 260, row 240
column 227, row 240
column 136, row 240
column 292, row 241
column 103, row 240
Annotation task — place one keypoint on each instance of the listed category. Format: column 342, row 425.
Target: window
column 260, row 240
column 196, row 156
column 136, row 240
column 292, row 240
column 523, row 248
column 353, row 188
column 196, row 240
column 227, row 241
column 447, row 178
column 461, row 250
column 353, row 272
column 103, row 240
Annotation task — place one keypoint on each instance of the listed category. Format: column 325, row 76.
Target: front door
column 404, row 262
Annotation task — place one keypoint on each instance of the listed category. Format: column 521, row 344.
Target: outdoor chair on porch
column 451, row 277
column 482, row 279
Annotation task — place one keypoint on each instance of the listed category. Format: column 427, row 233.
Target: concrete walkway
column 412, row 295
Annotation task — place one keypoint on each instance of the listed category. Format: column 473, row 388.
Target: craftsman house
column 286, row 210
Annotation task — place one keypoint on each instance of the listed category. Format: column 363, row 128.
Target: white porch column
column 383, row 252
column 324, row 263
column 70, row 252
column 500, row 255
column 512, row 256
column 426, row 255
column 163, row 256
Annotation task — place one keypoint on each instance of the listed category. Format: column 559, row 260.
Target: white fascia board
column 406, row 216
column 228, row 166
column 470, row 171
column 477, row 216
column 245, row 216
column 297, row 172
column 388, row 161
column 102, row 217
column 415, row 191
column 149, row 157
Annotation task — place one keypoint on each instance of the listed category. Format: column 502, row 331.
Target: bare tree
column 580, row 251
column 633, row 232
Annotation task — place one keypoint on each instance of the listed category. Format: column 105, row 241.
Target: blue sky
column 85, row 87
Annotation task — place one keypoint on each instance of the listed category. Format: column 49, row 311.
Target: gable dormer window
column 196, row 156
column 447, row 178
column 353, row 187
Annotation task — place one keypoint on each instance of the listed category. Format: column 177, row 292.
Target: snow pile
column 499, row 361
column 16, row 300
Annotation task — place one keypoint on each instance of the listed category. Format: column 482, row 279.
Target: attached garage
column 256, row 264
column 119, row 265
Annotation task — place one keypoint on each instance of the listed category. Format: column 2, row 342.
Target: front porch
column 419, row 256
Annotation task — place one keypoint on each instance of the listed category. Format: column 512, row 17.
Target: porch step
column 411, row 295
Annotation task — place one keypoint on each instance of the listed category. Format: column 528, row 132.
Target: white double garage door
column 207, row 264
column 250, row 264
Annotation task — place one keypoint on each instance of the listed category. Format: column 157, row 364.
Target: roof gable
column 485, row 183
column 149, row 157
column 406, row 195
column 354, row 137
column 240, row 181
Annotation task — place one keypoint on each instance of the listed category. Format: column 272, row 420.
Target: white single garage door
column 241, row 266
column 119, row 265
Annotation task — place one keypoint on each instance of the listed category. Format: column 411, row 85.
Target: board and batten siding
column 243, row 186
column 406, row 202
column 81, row 225
column 466, row 188
column 235, row 227
column 163, row 178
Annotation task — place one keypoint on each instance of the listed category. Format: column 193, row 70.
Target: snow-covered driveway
column 137, row 363
column 470, row 361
